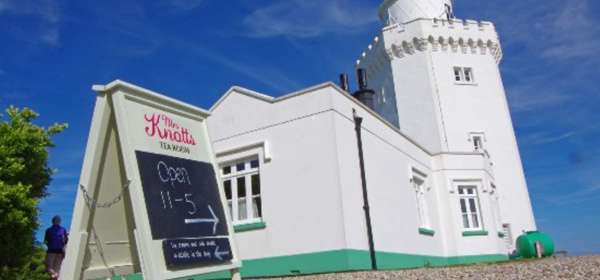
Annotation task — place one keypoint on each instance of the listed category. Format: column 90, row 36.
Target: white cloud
column 185, row 5
column 309, row 18
column 554, row 30
column 51, row 37
column 582, row 195
column 573, row 32
column 528, row 96
column 47, row 11
column 550, row 56
column 267, row 75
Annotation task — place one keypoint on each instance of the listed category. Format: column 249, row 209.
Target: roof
column 149, row 94
column 331, row 85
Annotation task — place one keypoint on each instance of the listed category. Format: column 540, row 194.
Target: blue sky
column 51, row 52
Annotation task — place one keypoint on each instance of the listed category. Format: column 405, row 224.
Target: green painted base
column 475, row 233
column 247, row 227
column 339, row 261
column 426, row 231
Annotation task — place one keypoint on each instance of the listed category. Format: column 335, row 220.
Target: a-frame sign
column 149, row 201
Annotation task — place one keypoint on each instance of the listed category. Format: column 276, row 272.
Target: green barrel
column 526, row 244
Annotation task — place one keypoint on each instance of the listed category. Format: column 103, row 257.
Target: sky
column 52, row 52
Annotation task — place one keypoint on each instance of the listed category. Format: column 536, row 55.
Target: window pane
column 475, row 221
column 477, row 142
column 472, row 205
column 465, row 220
column 468, row 75
column 227, row 185
column 463, row 206
column 227, row 170
column 461, row 190
column 257, row 206
column 255, row 184
column 230, row 209
column 470, row 191
column 242, row 210
column 457, row 74
column 254, row 163
column 240, row 166
column 241, row 187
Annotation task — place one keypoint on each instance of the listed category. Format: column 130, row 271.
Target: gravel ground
column 587, row 267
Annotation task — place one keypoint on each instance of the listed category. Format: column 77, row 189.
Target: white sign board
column 149, row 199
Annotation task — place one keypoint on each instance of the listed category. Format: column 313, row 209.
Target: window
column 418, row 182
column 464, row 75
column 241, row 181
column 477, row 138
column 477, row 142
column 469, row 207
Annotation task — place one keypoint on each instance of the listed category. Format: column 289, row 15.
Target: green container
column 526, row 244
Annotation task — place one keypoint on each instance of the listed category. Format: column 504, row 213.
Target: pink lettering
column 164, row 127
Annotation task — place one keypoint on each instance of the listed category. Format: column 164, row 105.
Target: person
column 56, row 238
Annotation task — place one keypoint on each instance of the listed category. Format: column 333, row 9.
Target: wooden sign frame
column 116, row 239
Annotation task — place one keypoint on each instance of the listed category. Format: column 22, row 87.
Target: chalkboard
column 185, row 252
column 182, row 197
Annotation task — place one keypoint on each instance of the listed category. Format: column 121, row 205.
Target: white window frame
column 508, row 235
column 462, row 73
column 495, row 200
column 421, row 190
column 247, row 174
column 467, row 198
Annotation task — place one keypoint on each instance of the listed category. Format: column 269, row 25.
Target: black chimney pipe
column 344, row 84
column 361, row 74
column 364, row 94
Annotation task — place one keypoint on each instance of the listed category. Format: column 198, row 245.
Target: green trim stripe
column 247, row 227
column 389, row 261
column 475, row 233
column 426, row 231
column 338, row 261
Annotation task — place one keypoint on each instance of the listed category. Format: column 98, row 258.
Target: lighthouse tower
column 402, row 11
column 437, row 79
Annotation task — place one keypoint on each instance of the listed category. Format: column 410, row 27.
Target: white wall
column 311, row 189
column 388, row 156
column 302, row 205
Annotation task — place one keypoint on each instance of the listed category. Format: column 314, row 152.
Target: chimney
column 344, row 82
column 364, row 94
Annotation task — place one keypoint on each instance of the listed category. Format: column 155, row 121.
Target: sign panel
column 151, row 158
column 183, row 252
column 182, row 197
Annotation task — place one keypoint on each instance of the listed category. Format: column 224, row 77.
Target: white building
column 442, row 169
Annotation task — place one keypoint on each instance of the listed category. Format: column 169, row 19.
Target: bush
column 24, row 177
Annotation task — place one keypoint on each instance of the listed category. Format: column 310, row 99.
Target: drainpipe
column 357, row 127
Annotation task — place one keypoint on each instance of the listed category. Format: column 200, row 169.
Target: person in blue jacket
column 56, row 238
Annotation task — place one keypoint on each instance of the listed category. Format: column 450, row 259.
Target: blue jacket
column 56, row 238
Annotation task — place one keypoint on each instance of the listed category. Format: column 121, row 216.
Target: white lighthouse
column 437, row 78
